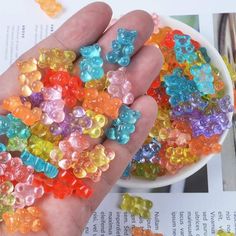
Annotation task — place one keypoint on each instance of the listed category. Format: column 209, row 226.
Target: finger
column 124, row 153
column 137, row 20
column 84, row 28
column 144, row 68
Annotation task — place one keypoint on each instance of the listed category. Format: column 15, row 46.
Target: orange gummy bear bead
column 50, row 7
column 23, row 220
column 139, row 231
column 159, row 37
column 22, row 111
column 102, row 102
column 30, row 77
column 202, row 145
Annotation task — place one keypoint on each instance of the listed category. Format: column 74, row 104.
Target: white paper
column 174, row 213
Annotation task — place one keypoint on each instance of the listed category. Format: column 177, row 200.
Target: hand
column 70, row 216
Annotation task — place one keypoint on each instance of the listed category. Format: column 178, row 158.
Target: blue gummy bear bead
column 147, row 151
column 122, row 127
column 13, row 127
column 3, row 148
column 184, row 49
column 178, row 87
column 203, row 77
column 127, row 171
column 205, row 55
column 4, row 125
column 39, row 164
column 50, row 170
column 122, row 47
column 91, row 64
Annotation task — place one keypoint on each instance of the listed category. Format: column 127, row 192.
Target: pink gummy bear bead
column 5, row 157
column 53, row 105
column 15, row 170
column 119, row 86
column 71, row 147
column 25, row 194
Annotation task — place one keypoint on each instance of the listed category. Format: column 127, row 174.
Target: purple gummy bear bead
column 76, row 120
column 36, row 99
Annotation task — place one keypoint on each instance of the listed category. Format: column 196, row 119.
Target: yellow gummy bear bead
column 162, row 121
column 180, row 156
column 99, row 121
column 136, row 205
column 56, row 59
column 40, row 147
column 42, row 131
column 223, row 233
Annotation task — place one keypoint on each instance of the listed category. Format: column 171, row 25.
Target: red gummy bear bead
column 70, row 84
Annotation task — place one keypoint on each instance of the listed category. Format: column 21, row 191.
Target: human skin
column 69, row 216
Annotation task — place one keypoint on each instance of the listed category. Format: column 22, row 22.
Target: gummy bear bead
column 223, row 233
column 4, row 157
column 91, row 63
column 23, row 220
column 122, row 47
column 51, row 7
column 6, row 187
column 178, row 87
column 136, row 205
column 30, row 77
column 101, row 102
column 184, row 49
column 98, row 123
column 124, row 125
column 2, row 147
column 119, row 86
column 203, row 78
column 26, row 194
column 56, row 59
column 38, row 164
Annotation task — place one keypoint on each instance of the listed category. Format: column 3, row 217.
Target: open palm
column 68, row 217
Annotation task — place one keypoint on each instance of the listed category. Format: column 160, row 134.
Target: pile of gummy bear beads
column 193, row 108
column 136, row 205
column 52, row 126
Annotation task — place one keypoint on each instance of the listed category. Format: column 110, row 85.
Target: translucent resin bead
column 7, row 199
column 56, row 59
column 23, row 220
column 122, row 47
column 124, row 125
column 26, row 194
column 30, row 77
column 92, row 163
column 119, row 86
column 39, row 164
column 136, row 205
column 91, row 63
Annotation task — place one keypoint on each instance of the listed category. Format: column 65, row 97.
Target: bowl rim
column 185, row 172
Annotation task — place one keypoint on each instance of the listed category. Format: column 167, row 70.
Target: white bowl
column 186, row 171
